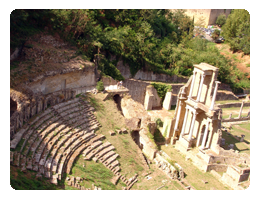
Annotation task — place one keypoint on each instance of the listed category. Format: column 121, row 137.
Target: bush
column 221, row 20
column 109, row 69
column 159, row 122
column 162, row 89
column 100, row 86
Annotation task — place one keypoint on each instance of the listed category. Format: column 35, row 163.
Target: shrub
column 100, row 86
column 221, row 20
column 162, row 89
column 159, row 122
column 108, row 68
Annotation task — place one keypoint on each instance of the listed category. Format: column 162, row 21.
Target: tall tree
column 236, row 30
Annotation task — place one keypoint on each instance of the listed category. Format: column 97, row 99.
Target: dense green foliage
column 108, row 68
column 162, row 89
column 157, row 40
column 236, row 30
column 215, row 34
column 221, row 20
column 100, row 86
column 24, row 23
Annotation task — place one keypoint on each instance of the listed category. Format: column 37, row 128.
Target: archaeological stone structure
column 207, row 16
column 197, row 124
column 51, row 124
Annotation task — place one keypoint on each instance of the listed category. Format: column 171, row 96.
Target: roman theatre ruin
column 52, row 126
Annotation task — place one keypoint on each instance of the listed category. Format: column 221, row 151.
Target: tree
column 215, row 34
column 236, row 30
column 221, row 20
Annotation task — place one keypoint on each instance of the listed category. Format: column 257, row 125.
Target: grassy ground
column 94, row 173
column 28, row 181
column 192, row 174
column 130, row 162
column 240, row 146
column 235, row 112
column 111, row 119
column 238, row 130
column 229, row 101
column 157, row 179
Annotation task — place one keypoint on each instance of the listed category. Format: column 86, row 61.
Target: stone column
column 214, row 95
column 178, row 116
column 184, row 122
column 192, row 125
column 230, row 115
column 200, row 88
column 192, row 84
column 241, row 108
column 205, row 136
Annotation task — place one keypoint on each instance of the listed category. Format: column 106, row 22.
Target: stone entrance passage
column 13, row 107
column 117, row 98
column 136, row 137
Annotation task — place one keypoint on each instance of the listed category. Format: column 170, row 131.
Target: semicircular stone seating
column 46, row 142
column 51, row 141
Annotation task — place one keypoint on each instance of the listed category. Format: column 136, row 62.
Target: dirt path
column 241, row 61
column 161, row 113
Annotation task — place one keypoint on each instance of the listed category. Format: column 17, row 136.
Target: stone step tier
column 53, row 139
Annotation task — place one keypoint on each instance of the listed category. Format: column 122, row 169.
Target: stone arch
column 13, row 106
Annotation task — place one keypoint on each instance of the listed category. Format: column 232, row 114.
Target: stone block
column 167, row 101
column 124, row 130
column 112, row 133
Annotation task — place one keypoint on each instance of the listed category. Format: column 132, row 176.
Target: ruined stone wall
column 58, row 82
column 215, row 13
column 136, row 88
column 207, row 16
column 108, row 81
column 149, row 75
column 35, row 104
column 225, row 95
column 231, row 105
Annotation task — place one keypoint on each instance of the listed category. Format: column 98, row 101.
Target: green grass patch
column 94, row 173
column 28, row 181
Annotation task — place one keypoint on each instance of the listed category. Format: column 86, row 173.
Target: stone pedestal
column 148, row 102
column 167, row 101
column 183, row 145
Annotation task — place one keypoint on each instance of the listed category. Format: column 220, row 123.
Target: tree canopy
column 152, row 39
column 236, row 30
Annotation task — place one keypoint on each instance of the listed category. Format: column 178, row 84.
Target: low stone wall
column 225, row 95
column 236, row 119
column 235, row 104
column 217, row 167
column 148, row 75
column 107, row 80
column 54, row 81
column 137, row 90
